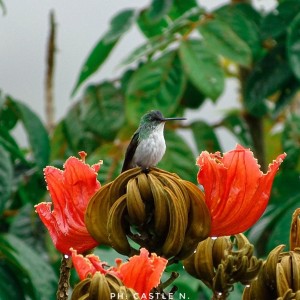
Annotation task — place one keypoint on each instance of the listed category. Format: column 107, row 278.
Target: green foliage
column 184, row 62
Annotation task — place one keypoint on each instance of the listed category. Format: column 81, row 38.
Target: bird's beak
column 172, row 119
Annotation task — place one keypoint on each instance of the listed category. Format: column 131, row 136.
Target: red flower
column 236, row 190
column 141, row 272
column 70, row 191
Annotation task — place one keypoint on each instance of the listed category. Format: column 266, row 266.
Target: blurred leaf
column 277, row 21
column 192, row 97
column 59, row 144
column 8, row 114
column 180, row 7
column 158, row 9
column 6, row 176
column 9, row 143
column 205, row 137
column 36, row 133
column 37, row 277
column 268, row 76
column 119, row 25
column 293, row 45
column 102, row 111
column 237, row 125
column 249, row 12
column 158, row 84
column 178, row 157
column 241, row 25
column 287, row 94
column 202, row 67
column 149, row 28
column 291, row 142
column 221, row 40
column 10, row 287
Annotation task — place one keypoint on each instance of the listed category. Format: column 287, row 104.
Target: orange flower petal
column 142, row 273
column 70, row 191
column 236, row 191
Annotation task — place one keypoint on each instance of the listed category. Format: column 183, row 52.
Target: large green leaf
column 275, row 24
column 158, row 9
column 158, row 84
column 192, row 97
column 103, row 110
column 202, row 67
column 293, row 46
column 244, row 27
column 119, row 25
column 10, row 287
column 37, row 277
column 205, row 137
column 6, row 175
column 180, row 7
column 268, row 76
column 222, row 40
column 178, row 157
column 36, row 133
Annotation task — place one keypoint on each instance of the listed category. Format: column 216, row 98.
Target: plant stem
column 49, row 99
column 64, row 278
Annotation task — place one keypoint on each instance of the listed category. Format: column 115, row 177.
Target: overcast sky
column 24, row 30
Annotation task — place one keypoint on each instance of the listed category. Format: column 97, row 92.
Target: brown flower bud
column 221, row 262
column 279, row 277
column 104, row 287
column 156, row 210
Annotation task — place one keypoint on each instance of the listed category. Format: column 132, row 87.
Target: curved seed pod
column 199, row 221
column 295, row 256
column 282, row 283
column 96, row 215
column 99, row 288
column 178, row 223
column 116, row 227
column 222, row 246
column 80, row 290
column 135, row 205
column 118, row 187
column 144, row 187
column 161, row 207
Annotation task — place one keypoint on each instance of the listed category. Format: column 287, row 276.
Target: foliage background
column 188, row 55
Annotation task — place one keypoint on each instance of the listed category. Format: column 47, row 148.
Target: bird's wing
column 130, row 152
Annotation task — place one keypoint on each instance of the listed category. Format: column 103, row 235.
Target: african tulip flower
column 141, row 273
column 70, row 191
column 236, row 190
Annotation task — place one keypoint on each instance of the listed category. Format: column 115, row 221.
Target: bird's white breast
column 150, row 150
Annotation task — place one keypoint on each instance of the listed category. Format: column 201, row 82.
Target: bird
column 147, row 145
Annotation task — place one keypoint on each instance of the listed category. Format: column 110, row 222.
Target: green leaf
column 293, row 46
column 287, row 95
column 36, row 133
column 9, row 143
column 192, row 97
column 119, row 25
column 268, row 76
column 180, row 7
column 158, row 9
column 103, row 110
column 249, row 12
column 242, row 26
column 221, row 40
column 290, row 142
column 149, row 28
column 275, row 24
column 202, row 67
column 10, row 287
column 37, row 277
column 179, row 158
column 158, row 84
column 6, row 176
column 237, row 126
column 205, row 137
column 8, row 114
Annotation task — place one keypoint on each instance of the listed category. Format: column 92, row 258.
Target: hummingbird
column 147, row 145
